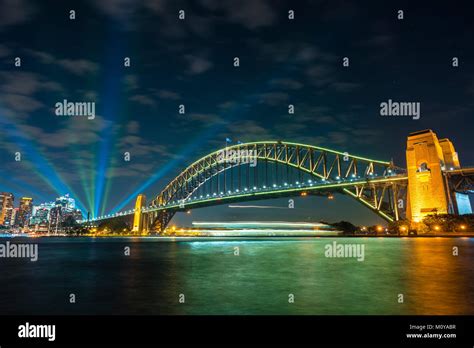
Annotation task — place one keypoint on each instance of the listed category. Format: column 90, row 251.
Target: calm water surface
column 258, row 281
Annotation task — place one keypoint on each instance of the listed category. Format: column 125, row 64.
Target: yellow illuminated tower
column 138, row 216
column 427, row 157
column 451, row 160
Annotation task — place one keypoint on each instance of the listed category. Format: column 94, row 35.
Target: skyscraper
column 6, row 207
column 66, row 202
column 26, row 205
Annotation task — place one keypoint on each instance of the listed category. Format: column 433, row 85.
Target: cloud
column 25, row 83
column 273, row 98
column 75, row 131
column 120, row 10
column 75, row 66
column 345, row 86
column 130, row 81
column 206, row 119
column 4, row 51
column 252, row 14
column 20, row 103
column 287, row 83
column 18, row 89
column 13, row 12
column 133, row 127
column 197, row 65
column 165, row 94
column 78, row 66
column 247, row 130
column 297, row 53
column 143, row 99
column 320, row 75
column 227, row 105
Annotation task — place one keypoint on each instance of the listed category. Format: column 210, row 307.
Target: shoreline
column 239, row 237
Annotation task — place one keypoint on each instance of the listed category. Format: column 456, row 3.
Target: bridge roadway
column 276, row 191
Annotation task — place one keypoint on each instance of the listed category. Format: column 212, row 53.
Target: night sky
column 190, row 62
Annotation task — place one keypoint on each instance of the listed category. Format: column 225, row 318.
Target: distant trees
column 400, row 227
column 448, row 223
column 114, row 225
column 441, row 223
column 346, row 227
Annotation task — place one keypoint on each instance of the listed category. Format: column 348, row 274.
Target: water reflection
column 259, row 280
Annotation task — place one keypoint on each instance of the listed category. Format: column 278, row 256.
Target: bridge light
column 463, row 227
column 451, row 168
column 330, row 197
column 309, row 181
column 436, row 228
column 245, row 189
column 264, row 187
column 403, row 228
column 188, row 212
column 379, row 228
column 200, row 196
column 353, row 175
column 222, row 193
column 338, row 177
column 237, row 190
column 304, row 194
column 207, row 195
column 297, row 183
column 214, row 194
column 274, row 185
column 285, row 184
column 254, row 188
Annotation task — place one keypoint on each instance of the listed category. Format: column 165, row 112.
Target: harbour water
column 235, row 276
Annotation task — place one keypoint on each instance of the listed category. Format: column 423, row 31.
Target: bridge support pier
column 160, row 221
column 428, row 190
column 138, row 217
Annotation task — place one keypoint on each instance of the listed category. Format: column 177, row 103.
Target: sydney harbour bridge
column 433, row 181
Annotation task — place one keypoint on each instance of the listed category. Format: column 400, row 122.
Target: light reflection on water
column 257, row 281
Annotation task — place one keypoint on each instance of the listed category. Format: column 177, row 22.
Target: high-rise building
column 56, row 217
column 14, row 217
column 66, row 202
column 26, row 206
column 40, row 214
column 6, row 206
column 52, row 216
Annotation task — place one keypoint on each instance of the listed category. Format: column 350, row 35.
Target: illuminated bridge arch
column 230, row 174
